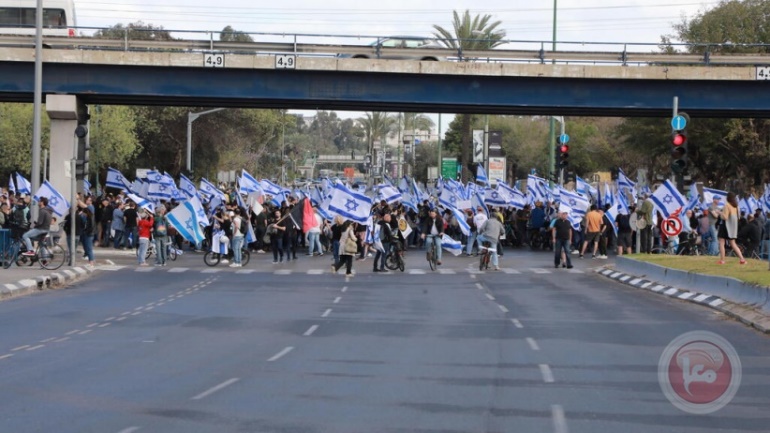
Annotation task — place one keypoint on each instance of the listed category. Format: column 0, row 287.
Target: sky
column 580, row 23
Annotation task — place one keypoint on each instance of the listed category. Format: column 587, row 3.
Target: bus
column 17, row 17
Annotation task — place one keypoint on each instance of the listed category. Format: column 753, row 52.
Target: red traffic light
column 564, row 148
column 678, row 139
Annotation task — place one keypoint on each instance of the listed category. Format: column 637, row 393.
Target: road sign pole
column 678, row 177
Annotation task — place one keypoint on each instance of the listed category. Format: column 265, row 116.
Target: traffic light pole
column 678, row 177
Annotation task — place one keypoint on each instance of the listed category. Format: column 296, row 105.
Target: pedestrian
column 594, row 220
column 88, row 224
column 432, row 229
column 714, row 211
column 625, row 231
column 144, row 228
column 348, row 248
column 239, row 226
column 382, row 244
column 728, row 229
column 118, row 225
column 562, row 239
column 644, row 224
column 490, row 232
column 160, row 235
column 336, row 236
column 129, row 231
column 275, row 229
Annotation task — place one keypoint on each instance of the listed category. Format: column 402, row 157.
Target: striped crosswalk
column 315, row 271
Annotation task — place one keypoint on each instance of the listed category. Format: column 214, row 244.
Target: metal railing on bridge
column 517, row 51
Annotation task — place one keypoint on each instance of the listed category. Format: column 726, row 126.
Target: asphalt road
column 293, row 348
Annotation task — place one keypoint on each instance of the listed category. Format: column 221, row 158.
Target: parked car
column 398, row 42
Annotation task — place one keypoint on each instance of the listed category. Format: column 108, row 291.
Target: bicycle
column 395, row 259
column 50, row 257
column 484, row 255
column 171, row 251
column 212, row 259
column 432, row 253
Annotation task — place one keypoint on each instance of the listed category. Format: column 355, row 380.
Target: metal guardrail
column 339, row 45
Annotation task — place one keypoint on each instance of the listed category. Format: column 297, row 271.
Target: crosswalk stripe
column 245, row 271
column 283, row 272
column 315, row 271
column 417, row 272
column 540, row 271
column 447, row 271
column 576, row 271
column 178, row 270
column 510, row 271
column 144, row 269
column 210, row 271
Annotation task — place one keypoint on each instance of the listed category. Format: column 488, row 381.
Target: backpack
column 244, row 227
column 20, row 216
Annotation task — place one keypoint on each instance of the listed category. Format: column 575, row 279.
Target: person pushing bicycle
column 432, row 230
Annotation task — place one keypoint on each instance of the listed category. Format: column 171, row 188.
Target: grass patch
column 753, row 272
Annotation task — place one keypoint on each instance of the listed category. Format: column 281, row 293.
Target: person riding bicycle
column 432, row 230
column 490, row 232
column 41, row 226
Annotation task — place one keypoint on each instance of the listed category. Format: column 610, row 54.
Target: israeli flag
column 269, row 187
column 350, row 205
column 622, row 206
column 187, row 187
column 612, row 215
column 710, row 193
column 607, row 194
column 585, row 188
column 462, row 221
column 198, row 207
column 142, row 202
column 56, row 201
column 209, row 189
column 387, row 192
column 115, row 179
column 668, row 200
column 184, row 218
column 159, row 191
column 496, row 197
column 623, row 181
column 23, row 186
column 11, row 188
column 517, row 198
column 403, row 185
column 408, row 201
column 278, row 198
column 748, row 205
column 86, row 187
column 693, row 204
column 535, row 187
column 249, row 184
column 481, row 175
column 477, row 201
column 578, row 203
column 451, row 245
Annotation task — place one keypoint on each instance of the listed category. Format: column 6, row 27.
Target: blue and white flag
column 11, row 188
column 350, row 205
column 187, row 187
column 536, row 188
column 403, row 185
column 607, row 195
column 496, row 197
column 86, row 187
column 710, row 193
column 693, row 204
column 142, row 202
column 624, row 182
column 748, row 205
column 249, row 184
column 477, row 201
column 198, row 207
column 622, row 203
column 159, row 191
column 115, row 179
column 269, row 187
column 668, row 200
column 481, row 175
column 612, row 215
column 461, row 218
column 584, row 187
column 517, row 198
column 451, row 245
column 154, row 176
column 210, row 190
column 578, row 203
column 185, row 219
column 387, row 192
column 56, row 201
column 22, row 185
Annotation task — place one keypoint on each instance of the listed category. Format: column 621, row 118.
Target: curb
column 42, row 282
column 743, row 313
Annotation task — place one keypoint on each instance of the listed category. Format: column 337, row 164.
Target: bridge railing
column 518, row 51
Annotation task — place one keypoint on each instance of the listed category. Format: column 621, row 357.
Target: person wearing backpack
column 239, row 234
column 160, row 235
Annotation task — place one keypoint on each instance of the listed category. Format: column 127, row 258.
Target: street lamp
column 190, row 119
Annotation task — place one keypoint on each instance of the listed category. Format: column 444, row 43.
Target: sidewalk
column 18, row 281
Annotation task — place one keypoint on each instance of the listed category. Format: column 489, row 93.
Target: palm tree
column 476, row 33
column 377, row 125
column 415, row 122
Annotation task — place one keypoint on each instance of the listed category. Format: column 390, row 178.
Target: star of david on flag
column 349, row 204
column 668, row 200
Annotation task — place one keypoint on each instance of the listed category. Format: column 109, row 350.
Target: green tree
column 113, row 138
column 16, row 138
column 377, row 126
column 228, row 34
column 135, row 31
column 467, row 34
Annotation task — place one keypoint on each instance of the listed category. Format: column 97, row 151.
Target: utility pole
column 551, row 128
column 191, row 117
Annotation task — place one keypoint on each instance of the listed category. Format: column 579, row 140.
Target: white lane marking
column 219, row 387
column 516, row 323
column 337, row 300
column 490, row 297
column 510, row 271
column 149, row 308
column 310, row 331
column 473, row 276
column 136, row 313
column 625, row 278
column 559, row 419
column 120, row 319
column 16, row 349
column 160, row 303
column 717, row 303
column 129, row 430
column 48, row 340
column 283, row 272
column 416, row 272
column 671, row 291
column 575, row 271
column 85, row 332
column 327, row 312
column 344, row 289
column 502, row 308
column 178, row 270
column 606, row 271
column 281, row 354
column 61, row 339
column 540, row 271
column 479, row 286
column 6, row 356
column 635, row 281
column 104, row 325
column 532, row 344
column 687, row 295
column 92, row 325
column 701, row 298
column 658, row 288
column 615, row 275
column 446, row 271
column 245, row 271
column 138, row 308
column 109, row 318
column 646, row 285
column 545, row 370
column 315, row 271
column 210, row 271
column 150, row 304
column 72, row 332
column 39, row 346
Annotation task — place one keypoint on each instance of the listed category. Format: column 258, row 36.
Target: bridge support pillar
column 65, row 112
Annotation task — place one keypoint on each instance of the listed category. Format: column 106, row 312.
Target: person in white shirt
column 478, row 221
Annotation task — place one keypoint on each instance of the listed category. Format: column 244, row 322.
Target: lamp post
column 190, row 119
column 37, row 104
column 552, row 129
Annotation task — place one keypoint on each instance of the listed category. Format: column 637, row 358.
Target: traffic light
column 679, row 144
column 81, row 165
column 563, row 156
column 368, row 160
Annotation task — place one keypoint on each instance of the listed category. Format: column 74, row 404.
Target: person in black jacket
column 386, row 237
column 432, row 229
column 750, row 235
